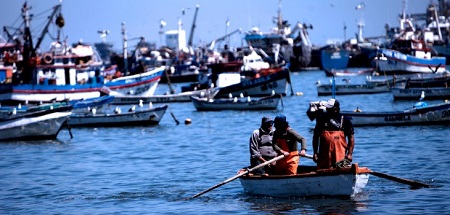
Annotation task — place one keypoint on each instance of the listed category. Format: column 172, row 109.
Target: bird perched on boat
column 94, row 111
column 132, row 109
column 141, row 104
column 26, row 102
column 230, row 95
column 248, row 99
column 273, row 92
column 242, row 95
column 422, row 95
column 150, row 104
column 14, row 112
column 117, row 110
column 235, row 99
column 20, row 105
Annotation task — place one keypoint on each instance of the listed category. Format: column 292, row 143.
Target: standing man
column 285, row 142
column 333, row 139
column 261, row 149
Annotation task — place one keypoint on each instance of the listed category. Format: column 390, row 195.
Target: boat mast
column 125, row 54
column 191, row 35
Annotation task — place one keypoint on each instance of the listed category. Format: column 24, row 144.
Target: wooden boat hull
column 338, row 182
column 415, row 93
column 205, row 104
column 150, row 116
column 434, row 114
column 348, row 89
column 38, row 126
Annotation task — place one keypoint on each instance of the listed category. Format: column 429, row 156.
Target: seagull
column 422, row 96
column 235, row 99
column 94, row 111
column 19, row 106
column 141, row 104
column 132, row 108
column 248, row 99
column 117, row 110
column 26, row 102
column 150, row 105
column 14, row 112
column 230, row 95
column 242, row 95
column 273, row 92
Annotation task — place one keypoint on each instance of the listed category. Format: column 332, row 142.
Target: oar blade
column 414, row 184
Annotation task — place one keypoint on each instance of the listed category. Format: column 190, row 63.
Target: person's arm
column 276, row 148
column 315, row 143
column 254, row 140
column 350, row 147
column 299, row 138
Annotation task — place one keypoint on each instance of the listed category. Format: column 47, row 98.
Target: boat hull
column 395, row 61
column 258, row 87
column 141, row 84
column 150, row 116
column 46, row 126
column 204, row 104
column 435, row 114
column 311, row 184
column 415, row 93
column 333, row 59
column 348, row 89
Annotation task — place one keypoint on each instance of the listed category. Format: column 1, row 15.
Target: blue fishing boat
column 334, row 58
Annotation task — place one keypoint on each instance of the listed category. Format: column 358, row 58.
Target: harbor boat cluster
column 83, row 85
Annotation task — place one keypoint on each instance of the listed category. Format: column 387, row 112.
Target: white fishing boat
column 309, row 182
column 34, row 125
column 166, row 98
column 418, row 115
column 235, row 103
column 135, row 116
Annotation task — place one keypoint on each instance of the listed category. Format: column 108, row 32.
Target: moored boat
column 135, row 116
column 242, row 103
column 415, row 93
column 309, row 182
column 34, row 125
column 419, row 115
column 350, row 89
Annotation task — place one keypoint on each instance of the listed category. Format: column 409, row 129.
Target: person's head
column 280, row 122
column 266, row 123
column 333, row 106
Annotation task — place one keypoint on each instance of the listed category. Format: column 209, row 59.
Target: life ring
column 48, row 58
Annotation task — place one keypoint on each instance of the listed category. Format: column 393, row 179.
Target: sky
column 142, row 18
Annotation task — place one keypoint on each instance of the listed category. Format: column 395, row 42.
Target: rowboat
column 241, row 103
column 347, row 89
column 309, row 182
column 415, row 93
column 34, row 125
column 135, row 116
column 420, row 114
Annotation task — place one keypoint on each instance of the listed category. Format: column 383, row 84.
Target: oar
column 414, row 184
column 238, row 175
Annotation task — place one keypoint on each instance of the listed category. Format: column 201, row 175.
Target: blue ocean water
column 151, row 170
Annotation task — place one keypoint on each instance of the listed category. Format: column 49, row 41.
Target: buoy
column 187, row 121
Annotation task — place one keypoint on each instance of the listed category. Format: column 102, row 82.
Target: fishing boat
column 283, row 43
column 68, row 72
column 350, row 89
column 334, row 58
column 135, row 116
column 241, row 103
column 166, row 98
column 34, row 124
column 408, row 53
column 415, row 93
column 309, row 182
column 420, row 114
